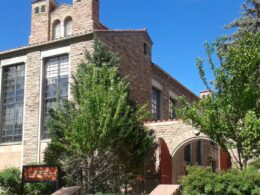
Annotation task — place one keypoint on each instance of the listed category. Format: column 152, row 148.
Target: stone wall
column 139, row 70
column 33, row 112
column 32, row 107
column 171, row 89
column 133, row 63
column 60, row 14
column 10, row 155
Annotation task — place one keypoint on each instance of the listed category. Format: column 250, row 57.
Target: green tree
column 100, row 125
column 230, row 115
column 249, row 22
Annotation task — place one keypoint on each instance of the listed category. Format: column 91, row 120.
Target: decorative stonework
column 175, row 133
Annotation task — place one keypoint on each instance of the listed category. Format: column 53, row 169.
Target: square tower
column 85, row 15
column 40, row 20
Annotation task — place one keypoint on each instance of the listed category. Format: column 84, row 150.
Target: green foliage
column 101, row 125
column 10, row 181
column 39, row 188
column 230, row 116
column 255, row 163
column 249, row 21
column 202, row 181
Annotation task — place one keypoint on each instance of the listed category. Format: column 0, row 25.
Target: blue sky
column 179, row 28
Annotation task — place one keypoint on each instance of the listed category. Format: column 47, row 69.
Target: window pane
column 57, row 30
column 172, row 113
column 56, row 84
column 187, row 153
column 198, row 152
column 13, row 93
column 68, row 28
column 156, row 104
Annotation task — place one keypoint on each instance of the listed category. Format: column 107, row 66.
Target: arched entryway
column 180, row 145
column 199, row 151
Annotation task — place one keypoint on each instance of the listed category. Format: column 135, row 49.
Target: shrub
column 10, row 181
column 255, row 163
column 202, row 181
column 39, row 188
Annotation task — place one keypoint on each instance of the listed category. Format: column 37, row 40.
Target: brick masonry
column 135, row 65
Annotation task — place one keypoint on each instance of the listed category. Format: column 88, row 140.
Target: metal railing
column 111, row 172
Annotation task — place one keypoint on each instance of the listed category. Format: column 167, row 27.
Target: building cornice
column 176, row 81
column 125, row 32
column 61, row 41
column 72, row 38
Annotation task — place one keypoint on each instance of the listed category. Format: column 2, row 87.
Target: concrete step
column 67, row 190
column 166, row 190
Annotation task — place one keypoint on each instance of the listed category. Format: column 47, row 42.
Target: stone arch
column 176, row 135
column 186, row 139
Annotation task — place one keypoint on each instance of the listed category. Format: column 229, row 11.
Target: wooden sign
column 40, row 173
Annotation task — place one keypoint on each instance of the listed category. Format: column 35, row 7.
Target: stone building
column 31, row 76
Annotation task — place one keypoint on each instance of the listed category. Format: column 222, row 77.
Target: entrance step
column 67, row 190
column 166, row 190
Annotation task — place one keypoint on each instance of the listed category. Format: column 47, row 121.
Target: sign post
column 40, row 173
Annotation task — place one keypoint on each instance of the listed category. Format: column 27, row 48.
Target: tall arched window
column 68, row 27
column 56, row 29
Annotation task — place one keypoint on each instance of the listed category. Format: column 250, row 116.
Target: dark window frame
column 156, row 104
column 199, row 152
column 172, row 113
column 147, row 50
column 68, row 21
column 17, row 104
column 57, row 89
column 43, row 8
column 187, row 154
column 36, row 10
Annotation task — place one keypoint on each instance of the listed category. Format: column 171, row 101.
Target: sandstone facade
column 134, row 48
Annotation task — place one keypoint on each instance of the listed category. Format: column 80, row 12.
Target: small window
column 187, row 154
column 57, row 30
column 36, row 10
column 147, row 50
column 43, row 8
column 68, row 27
column 172, row 113
column 199, row 152
column 156, row 104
